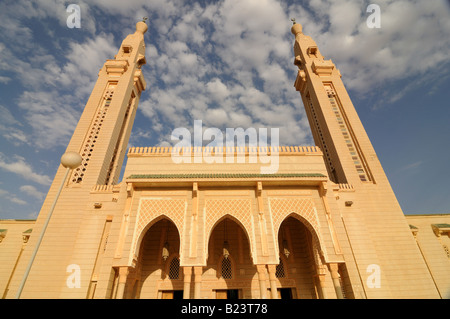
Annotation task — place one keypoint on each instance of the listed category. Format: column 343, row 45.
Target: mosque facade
column 325, row 224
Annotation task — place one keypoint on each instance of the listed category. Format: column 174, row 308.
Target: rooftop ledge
column 225, row 179
column 214, row 179
column 247, row 150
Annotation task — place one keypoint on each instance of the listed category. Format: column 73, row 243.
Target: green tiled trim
column 222, row 175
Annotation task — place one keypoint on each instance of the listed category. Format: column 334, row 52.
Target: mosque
column 325, row 224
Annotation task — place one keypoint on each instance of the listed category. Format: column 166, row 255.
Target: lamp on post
column 70, row 160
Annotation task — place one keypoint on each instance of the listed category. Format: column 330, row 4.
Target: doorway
column 285, row 293
column 227, row 294
column 172, row 294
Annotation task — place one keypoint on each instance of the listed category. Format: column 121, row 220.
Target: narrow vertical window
column 90, row 140
column 280, row 271
column 358, row 160
column 227, row 272
column 174, row 268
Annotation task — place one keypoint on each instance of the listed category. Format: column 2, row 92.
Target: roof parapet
column 247, row 150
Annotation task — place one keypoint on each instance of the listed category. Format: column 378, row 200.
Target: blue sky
column 230, row 64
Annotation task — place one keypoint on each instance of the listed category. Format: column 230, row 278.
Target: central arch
column 229, row 272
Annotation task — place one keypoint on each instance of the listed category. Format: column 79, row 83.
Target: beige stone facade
column 325, row 225
column 432, row 234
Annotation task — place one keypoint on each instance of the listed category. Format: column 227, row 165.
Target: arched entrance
column 296, row 271
column 229, row 273
column 158, row 271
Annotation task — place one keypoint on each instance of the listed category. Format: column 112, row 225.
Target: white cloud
column 11, row 197
column 14, row 135
column 413, row 40
column 18, row 166
column 56, row 92
column 221, row 82
column 32, row 191
column 17, row 201
column 51, row 116
column 411, row 166
column 85, row 60
column 218, row 89
column 4, row 79
column 229, row 57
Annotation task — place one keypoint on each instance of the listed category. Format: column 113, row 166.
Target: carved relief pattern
column 152, row 208
column 241, row 209
column 280, row 208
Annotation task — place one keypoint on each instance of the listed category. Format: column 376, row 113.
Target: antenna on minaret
column 293, row 20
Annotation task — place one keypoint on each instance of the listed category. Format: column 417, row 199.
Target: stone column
column 187, row 272
column 123, row 275
column 321, row 281
column 320, row 271
column 198, row 271
column 262, row 280
column 273, row 281
column 336, row 282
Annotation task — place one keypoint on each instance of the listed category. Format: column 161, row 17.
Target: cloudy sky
column 230, row 64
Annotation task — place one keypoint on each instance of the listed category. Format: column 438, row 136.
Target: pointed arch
column 316, row 239
column 151, row 210
column 238, row 210
column 157, row 262
column 303, row 209
column 219, row 221
column 152, row 222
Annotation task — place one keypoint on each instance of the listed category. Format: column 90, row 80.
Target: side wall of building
column 432, row 234
column 14, row 235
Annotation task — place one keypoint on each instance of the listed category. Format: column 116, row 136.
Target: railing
column 278, row 150
column 346, row 187
column 105, row 188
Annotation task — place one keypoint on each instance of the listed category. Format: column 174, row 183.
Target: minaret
column 102, row 134
column 335, row 125
column 373, row 219
column 101, row 138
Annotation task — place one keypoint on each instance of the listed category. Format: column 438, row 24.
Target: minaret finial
column 296, row 27
column 141, row 26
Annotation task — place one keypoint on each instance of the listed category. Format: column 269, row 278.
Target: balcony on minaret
column 322, row 67
column 116, row 68
column 139, row 81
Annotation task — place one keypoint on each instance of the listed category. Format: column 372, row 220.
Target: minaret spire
column 110, row 111
column 335, row 126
